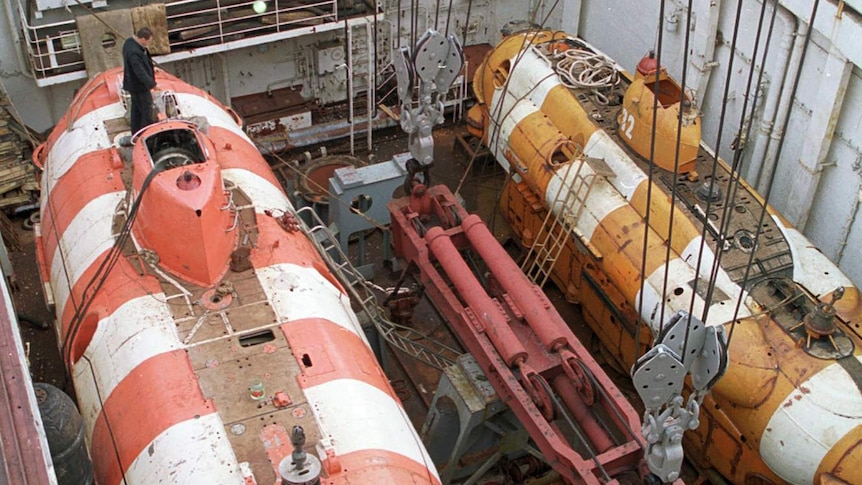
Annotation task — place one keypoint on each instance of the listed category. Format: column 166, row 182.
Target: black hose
column 37, row 324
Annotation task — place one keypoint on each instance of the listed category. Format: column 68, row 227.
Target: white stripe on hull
column 88, row 236
column 628, row 176
column 194, row 105
column 811, row 268
column 139, row 329
column 177, row 454
column 528, row 87
column 88, row 134
column 809, row 423
column 357, row 416
column 263, row 194
column 722, row 280
column 297, row 293
column 533, row 77
column 499, row 133
column 603, row 200
column 680, row 274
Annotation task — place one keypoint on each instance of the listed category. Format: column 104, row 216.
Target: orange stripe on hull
column 92, row 175
column 97, row 93
column 275, row 245
column 377, row 467
column 240, row 155
column 619, row 236
column 327, row 352
column 129, row 422
column 121, row 285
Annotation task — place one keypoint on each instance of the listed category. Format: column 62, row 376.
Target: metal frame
column 46, row 52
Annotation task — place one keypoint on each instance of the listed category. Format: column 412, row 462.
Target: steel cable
column 650, row 176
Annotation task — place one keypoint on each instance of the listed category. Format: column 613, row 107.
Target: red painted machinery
column 574, row 414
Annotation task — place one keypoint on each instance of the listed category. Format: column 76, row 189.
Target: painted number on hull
column 627, row 123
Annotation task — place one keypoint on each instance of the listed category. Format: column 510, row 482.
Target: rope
column 578, row 68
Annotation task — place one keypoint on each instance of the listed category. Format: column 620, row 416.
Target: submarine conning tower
column 653, row 97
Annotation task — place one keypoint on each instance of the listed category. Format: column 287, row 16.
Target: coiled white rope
column 579, row 68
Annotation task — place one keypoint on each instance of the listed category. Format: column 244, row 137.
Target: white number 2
column 627, row 123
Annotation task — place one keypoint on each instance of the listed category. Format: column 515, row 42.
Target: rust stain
column 624, row 245
column 804, row 390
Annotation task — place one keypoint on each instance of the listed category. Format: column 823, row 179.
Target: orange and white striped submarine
column 205, row 336
column 574, row 132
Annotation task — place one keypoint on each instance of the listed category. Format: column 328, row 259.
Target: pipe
column 350, row 87
column 819, row 134
column 371, row 88
column 598, row 436
column 348, row 35
column 783, row 104
column 280, row 82
column 770, row 106
column 851, row 221
column 225, row 80
column 708, row 54
column 349, row 102
column 320, row 133
column 488, row 315
column 549, row 326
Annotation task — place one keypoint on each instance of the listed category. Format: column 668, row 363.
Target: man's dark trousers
column 142, row 110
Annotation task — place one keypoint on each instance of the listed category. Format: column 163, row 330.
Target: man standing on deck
column 139, row 78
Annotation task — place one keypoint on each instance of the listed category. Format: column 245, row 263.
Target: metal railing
column 411, row 342
column 54, row 48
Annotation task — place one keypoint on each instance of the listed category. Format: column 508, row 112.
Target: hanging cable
column 673, row 193
column 771, row 181
column 398, row 26
column 551, row 11
column 104, row 414
column 106, row 267
column 650, row 176
column 709, row 200
column 449, row 20
column 437, row 15
column 467, row 22
column 735, row 177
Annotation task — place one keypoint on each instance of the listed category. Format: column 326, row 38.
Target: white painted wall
column 39, row 108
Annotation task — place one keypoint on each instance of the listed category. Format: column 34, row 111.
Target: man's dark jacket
column 137, row 67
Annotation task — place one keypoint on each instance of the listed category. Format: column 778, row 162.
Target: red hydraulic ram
column 530, row 356
column 548, row 325
column 488, row 315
